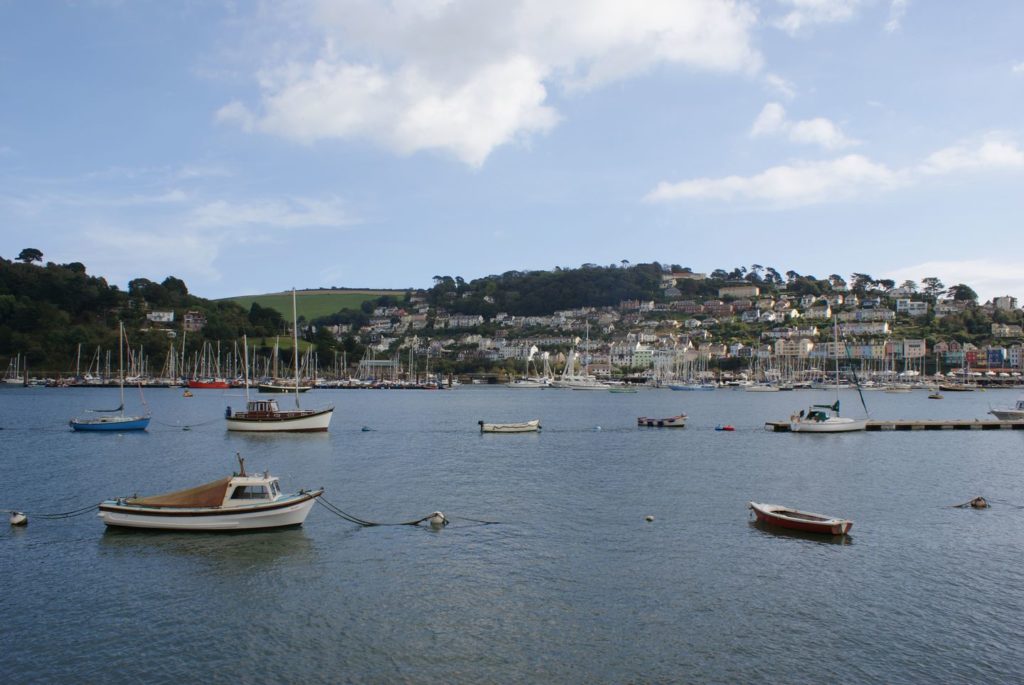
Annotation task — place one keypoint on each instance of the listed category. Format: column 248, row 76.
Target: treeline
column 533, row 293
column 47, row 311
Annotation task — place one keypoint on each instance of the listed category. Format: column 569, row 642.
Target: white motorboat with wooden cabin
column 241, row 501
column 264, row 415
column 522, row 427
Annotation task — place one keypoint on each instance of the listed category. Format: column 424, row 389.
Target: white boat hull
column 524, row 427
column 304, row 423
column 831, row 425
column 275, row 515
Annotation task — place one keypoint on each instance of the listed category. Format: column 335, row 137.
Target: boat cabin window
column 274, row 489
column 249, row 492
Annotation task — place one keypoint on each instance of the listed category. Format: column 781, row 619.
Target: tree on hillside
column 909, row 286
column 29, row 255
column 932, row 287
column 860, row 283
column 962, row 292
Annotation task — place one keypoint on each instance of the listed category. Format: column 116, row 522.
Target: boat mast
column 295, row 351
column 245, row 347
column 120, row 364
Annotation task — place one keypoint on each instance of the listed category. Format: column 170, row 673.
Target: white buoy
column 18, row 519
column 648, row 518
column 437, row 520
column 597, row 428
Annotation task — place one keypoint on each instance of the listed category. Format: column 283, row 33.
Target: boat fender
column 437, row 520
column 227, row 413
column 18, row 519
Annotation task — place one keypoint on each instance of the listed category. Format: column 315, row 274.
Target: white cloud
column 780, row 85
column 1018, row 68
column 288, row 213
column 991, row 153
column 466, row 77
column 121, row 254
column 807, row 13
column 803, row 183
column 796, row 184
column 988, row 277
column 897, row 10
column 818, row 131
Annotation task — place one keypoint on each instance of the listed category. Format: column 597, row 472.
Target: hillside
column 313, row 304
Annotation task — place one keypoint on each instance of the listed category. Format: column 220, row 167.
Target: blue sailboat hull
column 127, row 423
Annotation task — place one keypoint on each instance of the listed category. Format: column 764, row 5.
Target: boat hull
column 524, row 427
column 268, row 388
column 670, row 422
column 278, row 514
column 832, row 425
column 209, row 385
column 110, row 424
column 282, row 422
column 1008, row 414
column 793, row 519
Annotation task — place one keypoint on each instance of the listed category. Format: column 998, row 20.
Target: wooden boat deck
column 920, row 425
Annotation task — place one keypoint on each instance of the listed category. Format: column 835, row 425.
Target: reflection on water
column 251, row 548
column 776, row 531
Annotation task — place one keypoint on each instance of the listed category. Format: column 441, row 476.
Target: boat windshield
column 249, row 492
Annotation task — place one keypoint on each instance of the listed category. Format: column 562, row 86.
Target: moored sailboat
column 265, row 416
column 114, row 419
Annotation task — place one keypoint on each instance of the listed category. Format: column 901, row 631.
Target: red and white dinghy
column 794, row 519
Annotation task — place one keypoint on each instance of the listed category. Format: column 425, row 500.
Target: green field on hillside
column 314, row 303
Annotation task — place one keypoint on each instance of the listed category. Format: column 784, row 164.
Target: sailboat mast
column 245, row 347
column 120, row 363
column 295, row 350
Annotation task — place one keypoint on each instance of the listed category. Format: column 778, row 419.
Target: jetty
column 920, row 425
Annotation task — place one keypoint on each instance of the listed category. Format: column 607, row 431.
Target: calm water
column 572, row 587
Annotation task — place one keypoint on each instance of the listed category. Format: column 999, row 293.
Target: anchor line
column 63, row 514
column 362, row 522
column 186, row 425
column 481, row 522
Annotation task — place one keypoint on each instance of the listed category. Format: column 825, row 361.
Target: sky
column 250, row 147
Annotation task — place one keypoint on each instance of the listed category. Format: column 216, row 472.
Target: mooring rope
column 62, row 514
column 362, row 522
column 187, row 426
column 481, row 522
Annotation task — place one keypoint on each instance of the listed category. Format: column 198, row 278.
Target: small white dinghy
column 524, row 427
column 238, row 502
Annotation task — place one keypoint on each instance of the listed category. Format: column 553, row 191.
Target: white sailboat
column 825, row 418
column 265, row 416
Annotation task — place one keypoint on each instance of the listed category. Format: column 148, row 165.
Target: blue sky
column 249, row 147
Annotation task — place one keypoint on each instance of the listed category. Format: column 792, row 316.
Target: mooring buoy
column 648, row 518
column 437, row 520
column 18, row 519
